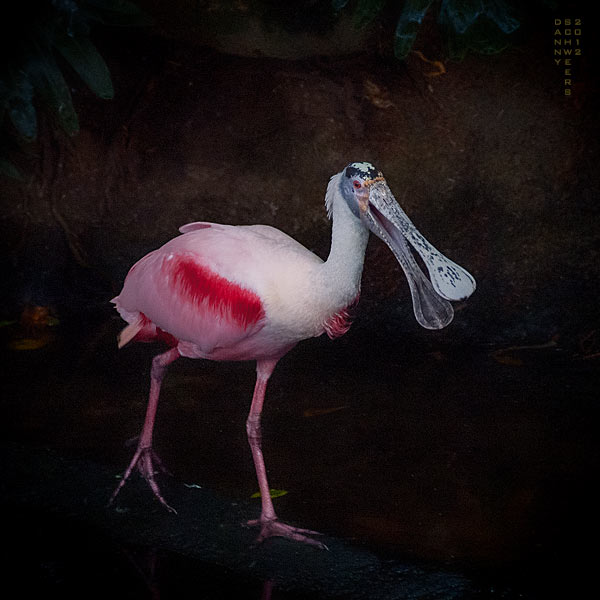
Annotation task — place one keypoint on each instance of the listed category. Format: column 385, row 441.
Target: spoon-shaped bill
column 450, row 281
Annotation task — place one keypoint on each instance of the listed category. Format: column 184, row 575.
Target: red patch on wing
column 151, row 333
column 339, row 323
column 201, row 286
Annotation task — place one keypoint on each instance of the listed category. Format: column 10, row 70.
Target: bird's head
column 370, row 199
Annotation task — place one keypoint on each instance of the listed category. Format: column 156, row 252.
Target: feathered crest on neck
column 332, row 189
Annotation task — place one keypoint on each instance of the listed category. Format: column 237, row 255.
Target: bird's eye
column 357, row 185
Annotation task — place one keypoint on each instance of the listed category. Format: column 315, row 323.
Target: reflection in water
column 267, row 590
column 439, row 453
column 158, row 570
column 49, row 554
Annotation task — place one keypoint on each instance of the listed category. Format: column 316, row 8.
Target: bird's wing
column 282, row 241
column 184, row 297
column 273, row 234
column 196, row 225
column 212, row 285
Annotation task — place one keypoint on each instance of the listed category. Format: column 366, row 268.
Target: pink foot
column 144, row 460
column 275, row 528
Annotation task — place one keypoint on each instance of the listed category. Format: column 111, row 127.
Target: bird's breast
column 301, row 306
column 340, row 321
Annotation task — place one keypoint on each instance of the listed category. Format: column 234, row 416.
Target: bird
column 251, row 293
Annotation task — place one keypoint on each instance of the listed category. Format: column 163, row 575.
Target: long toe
column 144, row 460
column 275, row 528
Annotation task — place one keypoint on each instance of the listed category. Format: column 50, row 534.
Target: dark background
column 473, row 447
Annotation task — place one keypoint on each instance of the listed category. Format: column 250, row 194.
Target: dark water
column 48, row 554
column 473, row 458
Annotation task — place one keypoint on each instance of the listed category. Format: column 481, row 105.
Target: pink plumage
column 339, row 323
column 227, row 293
column 221, row 292
column 197, row 284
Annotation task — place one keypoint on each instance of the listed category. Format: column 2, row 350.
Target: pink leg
column 144, row 455
column 269, row 523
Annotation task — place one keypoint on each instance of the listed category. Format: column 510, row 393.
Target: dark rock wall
column 490, row 159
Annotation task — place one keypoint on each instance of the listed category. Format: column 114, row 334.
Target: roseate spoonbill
column 252, row 293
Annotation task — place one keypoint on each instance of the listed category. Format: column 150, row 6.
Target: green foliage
column 20, row 107
column 482, row 26
column 40, row 39
column 81, row 54
column 272, row 492
column 411, row 17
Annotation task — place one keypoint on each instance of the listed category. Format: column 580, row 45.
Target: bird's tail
column 129, row 332
column 135, row 323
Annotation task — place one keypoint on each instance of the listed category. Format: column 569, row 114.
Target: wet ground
column 477, row 462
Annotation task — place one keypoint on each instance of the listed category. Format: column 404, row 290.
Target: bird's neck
column 342, row 270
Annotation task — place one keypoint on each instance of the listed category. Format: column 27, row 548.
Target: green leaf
column 87, row 62
column 5, row 323
column 21, row 110
column 483, row 38
column 411, row 17
column 499, row 12
column 52, row 87
column 273, row 493
column 338, row 4
column 481, row 26
column 462, row 14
